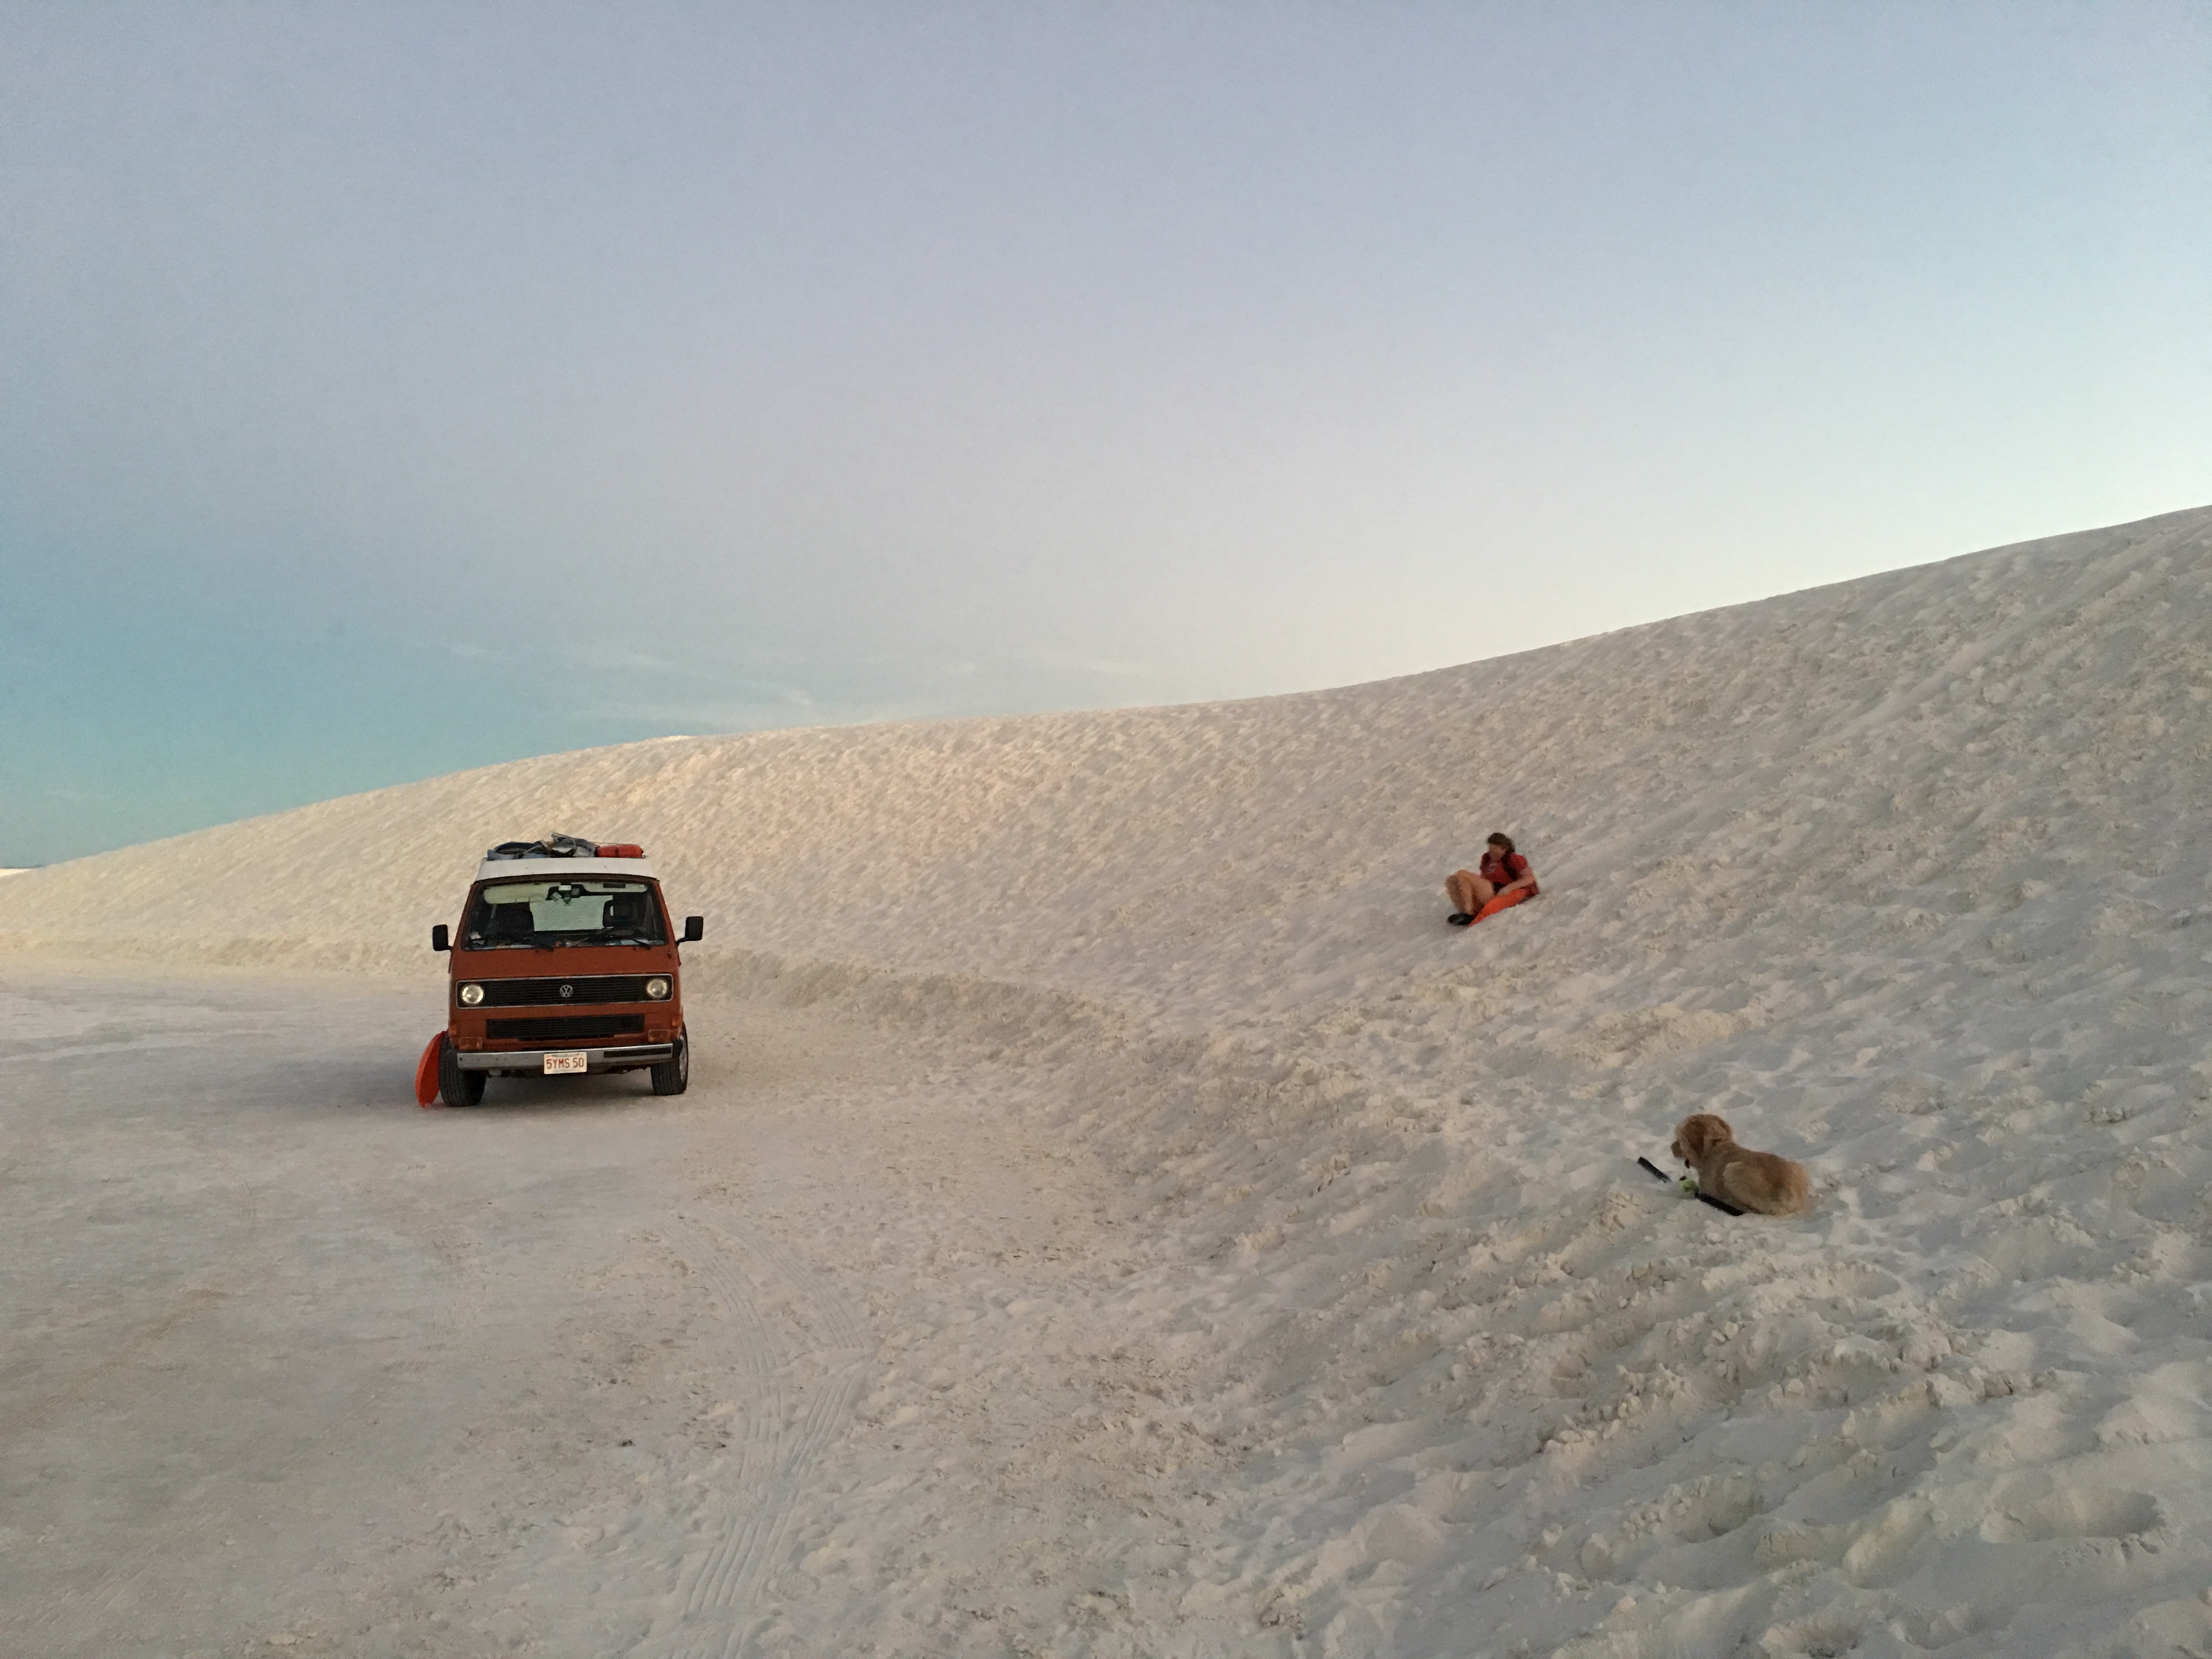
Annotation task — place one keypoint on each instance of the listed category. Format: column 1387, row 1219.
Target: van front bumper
column 532, row 1061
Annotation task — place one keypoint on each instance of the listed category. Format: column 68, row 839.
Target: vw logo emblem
column 567, row 991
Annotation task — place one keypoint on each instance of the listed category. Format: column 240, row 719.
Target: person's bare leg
column 1468, row 892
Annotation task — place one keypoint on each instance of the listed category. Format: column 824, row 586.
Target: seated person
column 1503, row 880
column 511, row 921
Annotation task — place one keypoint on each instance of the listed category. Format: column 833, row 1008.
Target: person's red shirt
column 1500, row 871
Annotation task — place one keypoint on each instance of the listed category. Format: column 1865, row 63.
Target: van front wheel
column 455, row 1086
column 673, row 1075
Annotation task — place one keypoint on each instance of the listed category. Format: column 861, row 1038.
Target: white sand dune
column 1909, row 877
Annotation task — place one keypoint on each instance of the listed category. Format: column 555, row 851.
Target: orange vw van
column 564, row 962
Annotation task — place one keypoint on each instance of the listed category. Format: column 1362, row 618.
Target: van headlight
column 656, row 989
column 471, row 995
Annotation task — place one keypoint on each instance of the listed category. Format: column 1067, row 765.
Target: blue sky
column 393, row 389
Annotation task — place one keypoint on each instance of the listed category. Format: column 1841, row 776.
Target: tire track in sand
column 721, row 1594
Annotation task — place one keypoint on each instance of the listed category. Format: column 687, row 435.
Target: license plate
column 564, row 1063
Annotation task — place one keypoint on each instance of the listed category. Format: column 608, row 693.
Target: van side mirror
column 441, row 940
column 695, row 929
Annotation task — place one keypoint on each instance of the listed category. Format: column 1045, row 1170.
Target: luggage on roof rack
column 551, row 847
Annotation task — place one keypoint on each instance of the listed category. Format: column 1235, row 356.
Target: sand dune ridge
column 1907, row 876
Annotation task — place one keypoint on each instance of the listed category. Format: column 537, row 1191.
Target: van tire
column 673, row 1075
column 455, row 1086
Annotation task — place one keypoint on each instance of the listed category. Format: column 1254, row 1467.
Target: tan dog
column 1761, row 1182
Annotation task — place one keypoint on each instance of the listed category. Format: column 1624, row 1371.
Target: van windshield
column 585, row 911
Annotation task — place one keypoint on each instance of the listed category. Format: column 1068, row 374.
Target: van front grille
column 582, row 991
